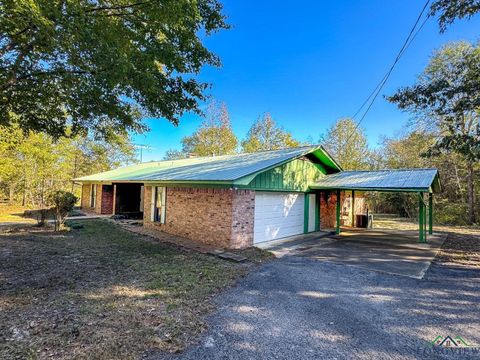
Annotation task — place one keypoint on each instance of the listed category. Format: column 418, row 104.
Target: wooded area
column 34, row 165
column 76, row 80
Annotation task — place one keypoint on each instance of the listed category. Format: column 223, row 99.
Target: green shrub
column 63, row 202
column 446, row 212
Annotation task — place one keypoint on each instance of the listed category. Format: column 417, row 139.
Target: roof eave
column 203, row 182
column 320, row 187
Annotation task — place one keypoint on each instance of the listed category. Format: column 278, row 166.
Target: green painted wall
column 295, row 175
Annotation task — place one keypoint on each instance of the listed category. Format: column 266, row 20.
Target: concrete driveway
column 297, row 307
column 393, row 252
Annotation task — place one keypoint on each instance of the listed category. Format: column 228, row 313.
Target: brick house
column 231, row 201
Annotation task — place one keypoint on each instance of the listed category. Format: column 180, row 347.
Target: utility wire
column 374, row 94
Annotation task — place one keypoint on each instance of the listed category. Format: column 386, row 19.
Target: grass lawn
column 14, row 214
column 100, row 292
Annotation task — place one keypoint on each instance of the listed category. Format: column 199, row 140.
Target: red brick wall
column 103, row 201
column 204, row 215
column 217, row 217
column 242, row 217
column 328, row 206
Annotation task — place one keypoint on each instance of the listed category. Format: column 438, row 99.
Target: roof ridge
column 236, row 154
column 236, row 165
column 403, row 169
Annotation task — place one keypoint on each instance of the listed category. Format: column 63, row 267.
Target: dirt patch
column 101, row 292
column 461, row 247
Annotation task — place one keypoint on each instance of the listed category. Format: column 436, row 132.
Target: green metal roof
column 238, row 168
column 382, row 180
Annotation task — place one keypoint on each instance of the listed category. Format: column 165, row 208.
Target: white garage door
column 277, row 215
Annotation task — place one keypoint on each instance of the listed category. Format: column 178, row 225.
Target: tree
column 450, row 10
column 446, row 98
column 34, row 165
column 265, row 135
column 102, row 65
column 10, row 163
column 173, row 154
column 214, row 136
column 404, row 151
column 348, row 144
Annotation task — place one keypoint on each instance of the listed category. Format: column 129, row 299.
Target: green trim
column 190, row 185
column 271, row 190
column 421, row 217
column 436, row 184
column 162, row 182
column 295, row 175
column 318, row 152
column 425, row 220
column 317, row 211
column 337, row 225
column 322, row 154
column 313, row 187
column 306, row 211
column 430, row 213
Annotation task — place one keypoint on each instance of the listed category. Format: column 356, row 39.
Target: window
column 158, row 204
column 93, row 195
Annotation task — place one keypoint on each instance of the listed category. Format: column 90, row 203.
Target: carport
column 424, row 182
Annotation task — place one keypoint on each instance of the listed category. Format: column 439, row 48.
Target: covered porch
column 423, row 182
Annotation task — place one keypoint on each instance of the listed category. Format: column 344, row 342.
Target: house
column 236, row 201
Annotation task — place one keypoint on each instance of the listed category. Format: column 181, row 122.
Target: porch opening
column 129, row 200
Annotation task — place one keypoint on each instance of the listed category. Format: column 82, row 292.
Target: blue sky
column 310, row 63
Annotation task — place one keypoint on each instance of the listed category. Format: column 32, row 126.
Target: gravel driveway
column 298, row 308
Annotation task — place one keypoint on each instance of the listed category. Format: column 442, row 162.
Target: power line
column 374, row 94
column 141, row 147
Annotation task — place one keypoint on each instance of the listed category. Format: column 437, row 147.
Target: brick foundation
column 217, row 217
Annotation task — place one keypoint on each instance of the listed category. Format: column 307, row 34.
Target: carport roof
column 401, row 180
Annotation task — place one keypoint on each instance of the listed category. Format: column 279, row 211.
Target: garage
column 278, row 215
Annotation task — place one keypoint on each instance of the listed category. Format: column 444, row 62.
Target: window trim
column 158, row 215
column 93, row 195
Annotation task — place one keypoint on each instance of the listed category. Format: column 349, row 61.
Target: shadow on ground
column 299, row 308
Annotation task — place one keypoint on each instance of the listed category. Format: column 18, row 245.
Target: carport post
column 306, row 213
column 430, row 213
column 353, row 208
column 337, row 230
column 114, row 206
column 421, row 206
